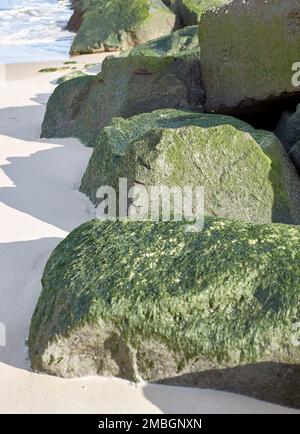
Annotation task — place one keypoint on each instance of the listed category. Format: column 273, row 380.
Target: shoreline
column 34, row 30
column 25, row 70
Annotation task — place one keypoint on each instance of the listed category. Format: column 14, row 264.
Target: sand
column 39, row 205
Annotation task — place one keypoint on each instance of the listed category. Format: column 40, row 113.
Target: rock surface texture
column 248, row 50
column 149, row 300
column 246, row 173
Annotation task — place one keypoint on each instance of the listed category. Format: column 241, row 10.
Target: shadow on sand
column 21, row 268
column 276, row 383
column 46, row 184
column 43, row 184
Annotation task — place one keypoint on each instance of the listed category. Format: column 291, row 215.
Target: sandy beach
column 39, row 205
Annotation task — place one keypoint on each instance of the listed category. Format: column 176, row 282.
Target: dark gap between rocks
column 264, row 115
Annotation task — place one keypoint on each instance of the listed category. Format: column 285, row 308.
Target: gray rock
column 247, row 52
column 164, row 73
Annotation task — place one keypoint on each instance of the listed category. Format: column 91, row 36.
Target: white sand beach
column 39, row 205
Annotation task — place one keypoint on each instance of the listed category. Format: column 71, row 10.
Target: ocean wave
column 35, row 22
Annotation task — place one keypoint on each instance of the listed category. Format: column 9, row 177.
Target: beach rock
column 248, row 49
column 77, row 16
column 64, row 106
column 118, row 25
column 189, row 11
column 288, row 130
column 150, row 300
column 246, row 173
column 161, row 74
column 72, row 74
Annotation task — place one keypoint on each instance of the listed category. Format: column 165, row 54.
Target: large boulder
column 118, row 24
column 160, row 74
column 248, row 49
column 149, row 300
column 246, row 173
column 288, row 130
column 64, row 107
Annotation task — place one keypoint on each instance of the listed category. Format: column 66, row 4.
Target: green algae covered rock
column 120, row 24
column 247, row 53
column 149, row 300
column 189, row 11
column 245, row 172
column 149, row 78
column 64, row 106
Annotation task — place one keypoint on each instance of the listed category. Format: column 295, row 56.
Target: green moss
column 61, row 68
column 201, row 6
column 49, row 70
column 116, row 24
column 153, row 282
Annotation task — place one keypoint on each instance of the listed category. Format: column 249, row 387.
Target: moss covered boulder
column 247, row 53
column 245, row 172
column 161, row 74
column 118, row 24
column 149, row 300
column 189, row 12
column 288, row 131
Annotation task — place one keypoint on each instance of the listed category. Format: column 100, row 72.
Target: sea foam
column 34, row 29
